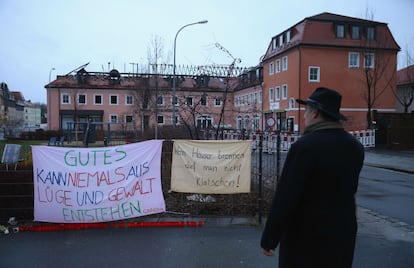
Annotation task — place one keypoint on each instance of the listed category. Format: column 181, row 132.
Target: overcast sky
column 38, row 35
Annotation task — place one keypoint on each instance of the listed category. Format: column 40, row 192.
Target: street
column 387, row 192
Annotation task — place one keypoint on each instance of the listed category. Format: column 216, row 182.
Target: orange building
column 356, row 57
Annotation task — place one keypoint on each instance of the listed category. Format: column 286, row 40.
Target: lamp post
column 50, row 73
column 174, row 76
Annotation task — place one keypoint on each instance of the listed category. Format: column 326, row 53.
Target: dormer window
column 340, row 30
column 288, row 36
column 274, row 43
column 355, row 32
column 281, row 40
column 370, row 33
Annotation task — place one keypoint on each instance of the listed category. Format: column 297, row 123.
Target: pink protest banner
column 86, row 185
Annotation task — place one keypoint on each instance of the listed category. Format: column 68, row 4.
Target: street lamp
column 50, row 73
column 174, row 76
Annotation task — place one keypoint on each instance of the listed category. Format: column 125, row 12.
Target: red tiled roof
column 405, row 76
column 319, row 30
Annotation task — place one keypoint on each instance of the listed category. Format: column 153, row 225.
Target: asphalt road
column 387, row 192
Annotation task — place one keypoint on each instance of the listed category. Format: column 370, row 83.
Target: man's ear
column 315, row 113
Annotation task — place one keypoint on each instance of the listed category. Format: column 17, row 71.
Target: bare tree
column 405, row 94
column 379, row 71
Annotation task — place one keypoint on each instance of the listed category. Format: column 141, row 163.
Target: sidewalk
column 395, row 160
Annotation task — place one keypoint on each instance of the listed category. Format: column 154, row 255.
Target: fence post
column 278, row 142
column 260, row 177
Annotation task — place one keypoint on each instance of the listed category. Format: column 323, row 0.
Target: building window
column 160, row 119
column 353, row 61
column 128, row 119
column 278, row 66
column 160, row 100
column 113, row 99
column 271, row 94
column 281, row 40
column 370, row 33
column 340, row 30
column 204, row 121
column 288, row 36
column 246, row 122
column 65, row 99
column 82, row 99
column 284, row 92
column 174, row 100
column 260, row 97
column 203, row 100
column 355, row 32
column 256, row 122
column 284, row 63
column 129, row 100
column 97, row 99
column 189, row 101
column 217, row 102
column 277, row 93
column 313, row 74
column 113, row 118
column 175, row 119
column 274, row 43
column 239, row 122
column 292, row 103
column 271, row 68
column 369, row 60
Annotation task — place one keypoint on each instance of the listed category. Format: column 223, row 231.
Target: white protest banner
column 211, row 167
column 85, row 185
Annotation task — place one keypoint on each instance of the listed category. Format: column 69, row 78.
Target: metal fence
column 268, row 155
column 17, row 201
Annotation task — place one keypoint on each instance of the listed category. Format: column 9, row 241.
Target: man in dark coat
column 313, row 214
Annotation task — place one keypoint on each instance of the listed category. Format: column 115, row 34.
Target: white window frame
column 218, row 102
column 288, row 36
column 94, row 99
column 129, row 100
column 160, row 101
column 285, row 63
column 113, row 116
column 310, row 74
column 206, row 101
column 277, row 93
column 177, row 118
column 160, row 116
column 284, row 91
column 278, row 66
column 370, row 56
column 292, row 103
column 78, row 99
column 110, row 99
column 271, row 94
column 176, row 101
column 187, row 101
column 271, row 68
column 63, row 96
column 351, row 59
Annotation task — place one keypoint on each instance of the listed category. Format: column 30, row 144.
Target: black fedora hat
column 326, row 100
